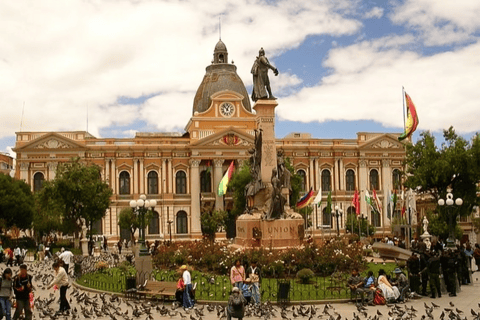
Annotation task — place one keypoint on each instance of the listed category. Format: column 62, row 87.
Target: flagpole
column 404, row 109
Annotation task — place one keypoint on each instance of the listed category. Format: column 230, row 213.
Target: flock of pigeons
column 101, row 306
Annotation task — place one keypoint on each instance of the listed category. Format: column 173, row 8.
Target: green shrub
column 305, row 275
column 124, row 266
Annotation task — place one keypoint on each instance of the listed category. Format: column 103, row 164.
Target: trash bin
column 283, row 292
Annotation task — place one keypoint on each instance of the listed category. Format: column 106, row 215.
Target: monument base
column 278, row 233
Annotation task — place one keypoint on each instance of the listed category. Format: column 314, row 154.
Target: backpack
column 379, row 299
column 237, row 301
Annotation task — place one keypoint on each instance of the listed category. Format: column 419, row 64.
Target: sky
column 130, row 66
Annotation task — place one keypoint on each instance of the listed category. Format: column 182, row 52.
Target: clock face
column 227, row 109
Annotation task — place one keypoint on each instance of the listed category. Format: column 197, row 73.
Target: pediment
column 52, row 141
column 230, row 137
column 385, row 141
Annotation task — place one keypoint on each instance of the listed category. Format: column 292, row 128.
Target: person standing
column 413, row 267
column 236, row 304
column 434, row 274
column 66, row 257
column 119, row 245
column 105, row 244
column 187, row 282
column 22, row 286
column 423, row 271
column 6, row 293
column 9, row 255
column 476, row 256
column 253, row 272
column 237, row 274
column 41, row 252
column 61, row 280
column 18, row 254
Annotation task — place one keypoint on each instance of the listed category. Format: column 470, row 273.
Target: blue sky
column 135, row 65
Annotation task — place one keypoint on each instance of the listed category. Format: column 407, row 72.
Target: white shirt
column 187, row 278
column 66, row 256
column 17, row 251
column 61, row 278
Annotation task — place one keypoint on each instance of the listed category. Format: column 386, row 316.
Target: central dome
column 219, row 76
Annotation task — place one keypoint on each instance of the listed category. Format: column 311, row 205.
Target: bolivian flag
column 412, row 119
column 306, row 200
column 222, row 186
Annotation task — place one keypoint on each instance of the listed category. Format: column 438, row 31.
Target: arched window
column 182, row 224
column 97, row 227
column 181, row 182
column 326, row 180
column 38, row 179
column 303, row 183
column 205, row 181
column 154, row 225
column 124, row 185
column 350, row 175
column 326, row 218
column 396, row 179
column 152, row 179
column 374, row 180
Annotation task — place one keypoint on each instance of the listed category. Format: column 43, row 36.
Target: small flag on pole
column 222, row 186
column 356, row 202
column 318, row 198
column 412, row 119
column 305, row 200
column 377, row 202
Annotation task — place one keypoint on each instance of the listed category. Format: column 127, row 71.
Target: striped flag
column 305, row 200
column 222, row 186
column 318, row 198
column 377, row 202
column 356, row 202
column 412, row 119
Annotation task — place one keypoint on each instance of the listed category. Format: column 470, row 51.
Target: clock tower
column 221, row 106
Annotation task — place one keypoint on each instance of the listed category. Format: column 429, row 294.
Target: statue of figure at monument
column 277, row 205
column 283, row 173
column 261, row 82
column 425, row 224
column 255, row 185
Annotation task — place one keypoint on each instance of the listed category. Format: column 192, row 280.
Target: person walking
column 66, row 256
column 236, row 305
column 9, row 256
column 22, row 287
column 237, row 274
column 187, row 292
column 61, row 280
column 6, row 293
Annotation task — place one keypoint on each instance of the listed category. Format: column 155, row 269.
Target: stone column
column 142, row 177
column 342, row 185
column 311, row 174
column 317, row 175
column 24, row 171
column 114, row 176
column 217, row 177
column 107, row 171
column 386, row 185
column 265, row 110
column 335, row 175
column 135, row 176
column 196, row 228
column 362, row 176
column 163, row 177
column 170, row 175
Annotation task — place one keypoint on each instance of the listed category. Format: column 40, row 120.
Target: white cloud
column 376, row 13
column 62, row 57
column 440, row 22
column 366, row 82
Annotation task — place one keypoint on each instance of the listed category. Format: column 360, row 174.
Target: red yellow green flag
column 412, row 119
column 222, row 186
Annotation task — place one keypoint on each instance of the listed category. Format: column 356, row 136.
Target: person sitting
column 401, row 283
column 246, row 290
column 390, row 292
column 236, row 304
column 356, row 284
column 179, row 291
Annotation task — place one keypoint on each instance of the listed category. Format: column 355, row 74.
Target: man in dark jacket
column 434, row 274
column 413, row 267
column 236, row 305
column 22, row 286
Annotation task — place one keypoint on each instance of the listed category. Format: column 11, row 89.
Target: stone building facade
column 181, row 171
column 6, row 163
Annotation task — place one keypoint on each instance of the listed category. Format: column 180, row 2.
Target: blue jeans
column 6, row 307
column 256, row 292
column 187, row 298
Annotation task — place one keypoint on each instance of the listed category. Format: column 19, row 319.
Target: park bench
column 164, row 289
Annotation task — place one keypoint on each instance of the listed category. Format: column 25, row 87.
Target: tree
column 78, row 194
column 129, row 220
column 45, row 220
column 212, row 221
column 438, row 226
column 455, row 164
column 352, row 219
column 16, row 203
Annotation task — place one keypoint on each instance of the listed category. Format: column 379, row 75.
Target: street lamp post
column 360, row 225
column 170, row 229
column 140, row 207
column 338, row 212
column 452, row 216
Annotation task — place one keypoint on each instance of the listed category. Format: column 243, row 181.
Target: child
column 246, row 290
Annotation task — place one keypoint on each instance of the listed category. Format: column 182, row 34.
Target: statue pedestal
column 84, row 245
column 278, row 233
column 426, row 239
column 265, row 110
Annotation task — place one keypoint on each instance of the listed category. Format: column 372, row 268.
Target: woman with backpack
column 236, row 305
column 6, row 293
column 237, row 274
